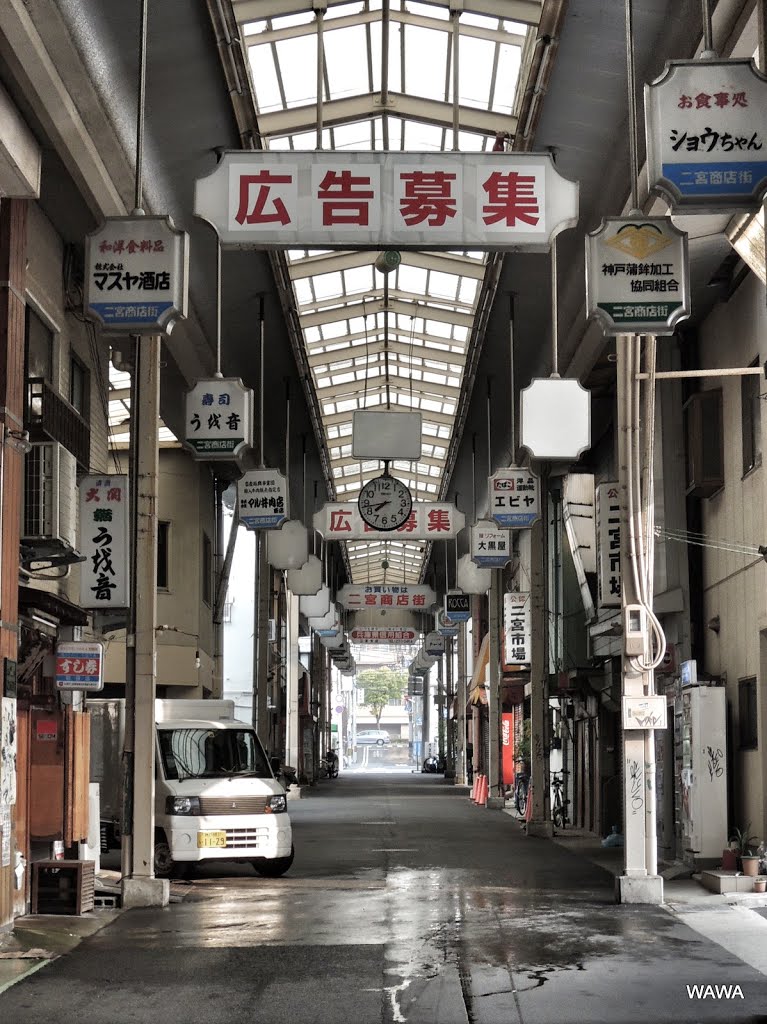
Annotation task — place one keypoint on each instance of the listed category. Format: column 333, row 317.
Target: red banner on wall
column 507, row 748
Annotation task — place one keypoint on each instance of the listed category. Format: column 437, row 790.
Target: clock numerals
column 385, row 503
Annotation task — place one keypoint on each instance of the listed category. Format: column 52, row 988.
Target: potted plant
column 743, row 844
column 760, row 883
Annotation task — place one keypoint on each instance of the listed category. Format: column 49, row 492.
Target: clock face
column 385, row 503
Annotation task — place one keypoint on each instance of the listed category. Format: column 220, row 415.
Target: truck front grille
column 232, row 804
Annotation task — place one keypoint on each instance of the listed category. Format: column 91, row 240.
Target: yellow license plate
column 211, row 839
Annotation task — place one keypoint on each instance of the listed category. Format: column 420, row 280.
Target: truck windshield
column 200, row 753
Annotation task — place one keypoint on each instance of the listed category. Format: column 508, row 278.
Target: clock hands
column 377, row 508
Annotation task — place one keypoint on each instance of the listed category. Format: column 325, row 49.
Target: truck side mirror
column 274, row 763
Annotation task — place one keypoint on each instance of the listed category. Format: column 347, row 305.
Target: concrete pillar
column 450, row 721
column 141, row 888
column 293, row 671
column 495, row 792
column 261, row 682
column 462, row 761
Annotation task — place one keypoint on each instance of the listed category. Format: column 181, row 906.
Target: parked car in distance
column 373, row 737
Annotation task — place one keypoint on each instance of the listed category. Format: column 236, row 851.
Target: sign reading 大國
column 331, row 200
column 706, row 124
column 637, row 275
column 104, row 520
column 136, row 274
column 218, row 418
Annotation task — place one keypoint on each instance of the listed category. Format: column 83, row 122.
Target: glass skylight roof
column 404, row 338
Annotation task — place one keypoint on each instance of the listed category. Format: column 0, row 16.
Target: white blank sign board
column 386, row 435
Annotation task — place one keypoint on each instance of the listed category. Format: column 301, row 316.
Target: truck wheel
column 274, row 868
column 164, row 865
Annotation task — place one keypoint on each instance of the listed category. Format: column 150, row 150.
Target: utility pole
column 540, row 823
column 141, row 888
column 639, row 882
column 495, row 795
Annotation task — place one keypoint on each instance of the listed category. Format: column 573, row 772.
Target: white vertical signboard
column 219, row 420
column 609, row 544
column 517, row 629
column 104, row 521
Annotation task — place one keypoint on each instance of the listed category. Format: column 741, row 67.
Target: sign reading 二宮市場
column 335, row 200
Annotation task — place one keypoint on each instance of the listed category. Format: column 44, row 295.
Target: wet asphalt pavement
column 405, row 903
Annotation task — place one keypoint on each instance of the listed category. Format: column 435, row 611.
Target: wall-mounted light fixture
column 18, row 440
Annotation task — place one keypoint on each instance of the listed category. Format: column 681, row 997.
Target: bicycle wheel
column 520, row 799
column 558, row 815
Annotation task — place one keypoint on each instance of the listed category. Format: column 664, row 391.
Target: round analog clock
column 385, row 503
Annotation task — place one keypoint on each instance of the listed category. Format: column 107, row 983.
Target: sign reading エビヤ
column 637, row 275
column 427, row 521
column 104, row 520
column 79, row 666
column 136, row 274
column 218, row 417
column 514, row 497
column 706, row 124
column 400, row 200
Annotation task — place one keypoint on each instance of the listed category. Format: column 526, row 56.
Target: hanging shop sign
column 637, row 275
column 490, row 545
column 515, row 499
column 383, row 596
column 136, row 275
column 104, row 520
column 288, row 547
column 434, row 644
column 427, row 521
column 79, row 666
column 335, row 200
column 381, row 635
column 472, row 578
column 706, row 125
column 517, row 629
column 457, row 606
column 445, row 625
column 414, row 686
column 561, row 437
column 307, row 579
column 385, row 434
column 608, row 511
column 262, row 499
column 219, row 418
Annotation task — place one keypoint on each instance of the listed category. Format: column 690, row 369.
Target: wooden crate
column 63, row 886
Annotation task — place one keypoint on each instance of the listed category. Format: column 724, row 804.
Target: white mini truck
column 216, row 797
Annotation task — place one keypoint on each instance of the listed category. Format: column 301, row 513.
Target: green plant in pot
column 744, row 845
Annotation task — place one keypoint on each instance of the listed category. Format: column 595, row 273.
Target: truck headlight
column 277, row 804
column 182, row 805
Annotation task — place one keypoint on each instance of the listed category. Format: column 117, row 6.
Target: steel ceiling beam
column 526, row 12
column 360, row 108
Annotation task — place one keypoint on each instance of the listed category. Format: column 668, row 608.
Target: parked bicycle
column 521, row 788
column 559, row 804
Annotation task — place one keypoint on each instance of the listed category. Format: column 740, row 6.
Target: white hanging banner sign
column 104, row 520
column 608, row 511
column 136, row 275
column 219, row 418
column 335, row 200
column 563, row 436
column 637, row 275
column 79, row 666
column 383, row 596
column 515, row 498
column 706, row 124
column 427, row 521
column 517, row 629
column 262, row 499
column 490, row 545
column 380, row 635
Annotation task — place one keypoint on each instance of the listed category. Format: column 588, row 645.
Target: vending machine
column 703, row 772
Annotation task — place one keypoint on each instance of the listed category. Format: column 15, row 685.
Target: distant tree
column 381, row 685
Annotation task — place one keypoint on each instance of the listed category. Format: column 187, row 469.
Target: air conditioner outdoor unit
column 272, row 631
column 50, row 494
